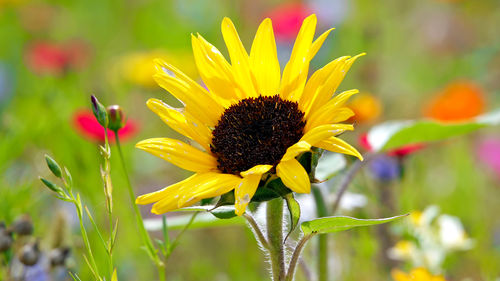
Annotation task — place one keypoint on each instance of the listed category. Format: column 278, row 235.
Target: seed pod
column 23, row 226
column 29, row 254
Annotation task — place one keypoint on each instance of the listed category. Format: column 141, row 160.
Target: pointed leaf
column 340, row 223
column 394, row 134
column 294, row 210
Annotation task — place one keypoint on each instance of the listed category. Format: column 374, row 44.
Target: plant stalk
column 140, row 223
column 275, row 238
column 321, row 211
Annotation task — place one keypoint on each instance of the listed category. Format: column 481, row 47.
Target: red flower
column 86, row 124
column 287, row 19
column 55, row 59
column 399, row 152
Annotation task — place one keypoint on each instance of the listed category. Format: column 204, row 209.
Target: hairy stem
column 296, row 256
column 259, row 235
column 321, row 211
column 275, row 238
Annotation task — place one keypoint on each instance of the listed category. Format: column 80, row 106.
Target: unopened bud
column 52, row 186
column 99, row 112
column 116, row 118
column 5, row 240
column 53, row 166
column 58, row 256
column 23, row 225
column 29, row 254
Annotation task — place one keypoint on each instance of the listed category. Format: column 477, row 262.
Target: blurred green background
column 54, row 54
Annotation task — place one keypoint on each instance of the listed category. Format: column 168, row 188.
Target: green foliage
column 340, row 223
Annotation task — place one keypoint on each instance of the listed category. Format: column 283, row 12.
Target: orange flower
column 459, row 101
column 366, row 107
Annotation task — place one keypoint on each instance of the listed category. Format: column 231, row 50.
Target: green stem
column 258, row 233
column 275, row 238
column 321, row 211
column 295, row 257
column 142, row 230
column 85, row 237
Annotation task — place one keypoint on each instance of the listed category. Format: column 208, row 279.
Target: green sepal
column 294, row 210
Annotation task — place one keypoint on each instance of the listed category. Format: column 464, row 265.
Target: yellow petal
column 331, row 77
column 214, row 69
column 156, row 196
column 246, row 188
column 180, row 154
column 264, row 60
column 295, row 72
column 316, row 45
column 323, row 132
column 178, row 122
column 294, row 176
column 337, row 145
column 207, row 185
column 317, row 82
column 328, row 115
column 197, row 100
column 296, row 149
column 239, row 58
column 256, row 170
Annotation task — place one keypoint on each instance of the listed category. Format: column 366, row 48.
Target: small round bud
column 58, row 256
column 5, row 240
column 99, row 112
column 29, row 254
column 116, row 117
column 23, row 226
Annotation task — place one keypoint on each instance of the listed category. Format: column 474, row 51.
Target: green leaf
column 340, row 223
column 52, row 186
column 203, row 220
column 294, row 210
column 394, row 134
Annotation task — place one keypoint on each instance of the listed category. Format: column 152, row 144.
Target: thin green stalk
column 275, row 238
column 142, row 230
column 295, row 257
column 85, row 237
column 321, row 211
column 258, row 233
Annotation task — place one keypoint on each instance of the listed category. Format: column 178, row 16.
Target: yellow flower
column 252, row 122
column 417, row 274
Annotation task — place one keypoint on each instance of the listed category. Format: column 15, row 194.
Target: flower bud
column 5, row 240
column 29, row 254
column 116, row 118
column 53, row 166
column 99, row 112
column 52, row 186
column 58, row 256
column 23, row 226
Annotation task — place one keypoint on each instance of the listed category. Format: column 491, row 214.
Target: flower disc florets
column 256, row 131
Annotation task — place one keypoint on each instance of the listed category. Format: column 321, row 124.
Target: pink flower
column 287, row 19
column 87, row 126
column 488, row 151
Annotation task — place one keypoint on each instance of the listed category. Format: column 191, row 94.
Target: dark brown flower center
column 256, row 131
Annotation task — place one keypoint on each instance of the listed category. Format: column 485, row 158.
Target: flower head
column 460, row 100
column 252, row 122
column 417, row 274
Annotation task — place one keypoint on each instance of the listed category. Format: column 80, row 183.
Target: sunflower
column 251, row 122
